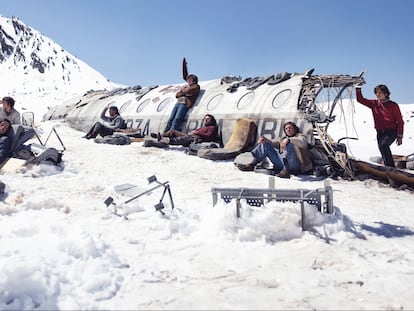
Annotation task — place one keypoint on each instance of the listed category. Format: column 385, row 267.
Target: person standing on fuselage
column 387, row 120
column 186, row 98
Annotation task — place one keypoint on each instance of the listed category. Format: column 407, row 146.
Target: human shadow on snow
column 388, row 230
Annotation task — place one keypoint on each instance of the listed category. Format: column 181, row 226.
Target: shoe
column 86, row 137
column 164, row 140
column 284, row 173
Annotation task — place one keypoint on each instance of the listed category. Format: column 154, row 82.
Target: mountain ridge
column 33, row 65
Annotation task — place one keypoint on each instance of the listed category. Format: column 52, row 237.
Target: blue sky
column 143, row 41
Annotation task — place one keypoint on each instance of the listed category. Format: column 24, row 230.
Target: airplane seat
column 219, row 138
column 242, row 139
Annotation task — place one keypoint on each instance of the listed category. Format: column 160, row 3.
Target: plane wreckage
column 267, row 101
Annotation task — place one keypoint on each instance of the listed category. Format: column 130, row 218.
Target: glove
column 359, row 84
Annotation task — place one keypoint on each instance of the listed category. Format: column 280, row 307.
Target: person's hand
column 261, row 140
column 399, row 141
column 284, row 143
column 358, row 85
column 182, row 91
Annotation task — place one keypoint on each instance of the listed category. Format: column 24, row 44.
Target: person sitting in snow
column 5, row 139
column 108, row 124
column 288, row 154
column 207, row 133
column 8, row 111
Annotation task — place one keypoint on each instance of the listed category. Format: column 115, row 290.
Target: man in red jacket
column 387, row 120
column 207, row 133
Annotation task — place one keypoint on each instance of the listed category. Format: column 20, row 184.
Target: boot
column 181, row 141
column 164, row 140
column 173, row 141
column 284, row 173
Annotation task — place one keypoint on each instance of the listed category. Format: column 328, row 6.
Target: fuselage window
column 163, row 104
column 281, row 99
column 143, row 105
column 245, row 100
column 125, row 105
column 214, row 102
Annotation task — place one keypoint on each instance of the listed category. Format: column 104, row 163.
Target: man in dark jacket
column 108, row 124
column 5, row 140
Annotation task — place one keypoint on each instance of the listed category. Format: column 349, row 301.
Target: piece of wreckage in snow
column 25, row 154
column 244, row 109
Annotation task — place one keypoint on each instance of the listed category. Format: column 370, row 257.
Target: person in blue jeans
column 186, row 98
column 288, row 154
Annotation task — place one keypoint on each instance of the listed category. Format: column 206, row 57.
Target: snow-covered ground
column 62, row 248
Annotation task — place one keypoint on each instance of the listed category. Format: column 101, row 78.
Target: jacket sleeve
column 399, row 120
column 192, row 90
column 5, row 145
column 206, row 132
column 118, row 123
column 103, row 116
column 361, row 99
column 300, row 143
column 276, row 142
column 190, row 93
column 15, row 117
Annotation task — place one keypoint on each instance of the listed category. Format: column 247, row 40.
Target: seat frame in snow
column 322, row 198
column 32, row 153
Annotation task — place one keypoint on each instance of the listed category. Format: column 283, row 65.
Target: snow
column 62, row 248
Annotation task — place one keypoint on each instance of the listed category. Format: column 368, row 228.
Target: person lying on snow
column 289, row 154
column 108, row 124
column 207, row 133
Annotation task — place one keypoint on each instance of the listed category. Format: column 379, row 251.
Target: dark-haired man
column 108, row 125
column 8, row 112
column 388, row 120
column 186, row 98
column 288, row 154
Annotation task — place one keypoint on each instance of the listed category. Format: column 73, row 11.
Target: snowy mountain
column 32, row 65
